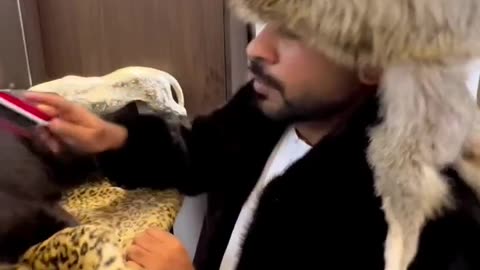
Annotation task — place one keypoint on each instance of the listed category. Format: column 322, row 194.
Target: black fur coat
column 322, row 213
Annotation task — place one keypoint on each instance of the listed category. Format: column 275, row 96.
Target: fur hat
column 428, row 115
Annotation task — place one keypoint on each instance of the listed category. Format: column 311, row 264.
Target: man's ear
column 369, row 75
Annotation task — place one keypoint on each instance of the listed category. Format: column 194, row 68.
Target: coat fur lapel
column 427, row 114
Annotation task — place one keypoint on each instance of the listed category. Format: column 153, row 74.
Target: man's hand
column 158, row 250
column 76, row 126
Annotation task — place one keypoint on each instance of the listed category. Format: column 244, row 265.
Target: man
column 349, row 148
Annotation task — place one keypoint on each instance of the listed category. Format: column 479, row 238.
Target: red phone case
column 23, row 108
column 18, row 116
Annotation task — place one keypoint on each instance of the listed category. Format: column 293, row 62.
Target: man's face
column 296, row 82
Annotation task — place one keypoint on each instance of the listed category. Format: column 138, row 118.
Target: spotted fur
column 110, row 218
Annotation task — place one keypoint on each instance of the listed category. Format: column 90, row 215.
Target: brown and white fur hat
column 429, row 117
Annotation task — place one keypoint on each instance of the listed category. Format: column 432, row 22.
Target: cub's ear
column 66, row 169
column 26, row 223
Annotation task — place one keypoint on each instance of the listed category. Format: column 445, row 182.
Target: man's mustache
column 259, row 73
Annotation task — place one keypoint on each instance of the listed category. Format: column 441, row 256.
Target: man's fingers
column 134, row 266
column 53, row 145
column 60, row 107
column 169, row 253
column 55, row 101
column 138, row 255
column 69, row 131
column 158, row 234
column 45, row 139
column 48, row 110
column 148, row 242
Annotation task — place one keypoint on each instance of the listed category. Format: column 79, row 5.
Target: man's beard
column 296, row 110
column 306, row 111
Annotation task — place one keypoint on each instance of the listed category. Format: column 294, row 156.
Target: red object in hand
column 18, row 116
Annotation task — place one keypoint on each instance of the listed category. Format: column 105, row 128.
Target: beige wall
column 14, row 71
